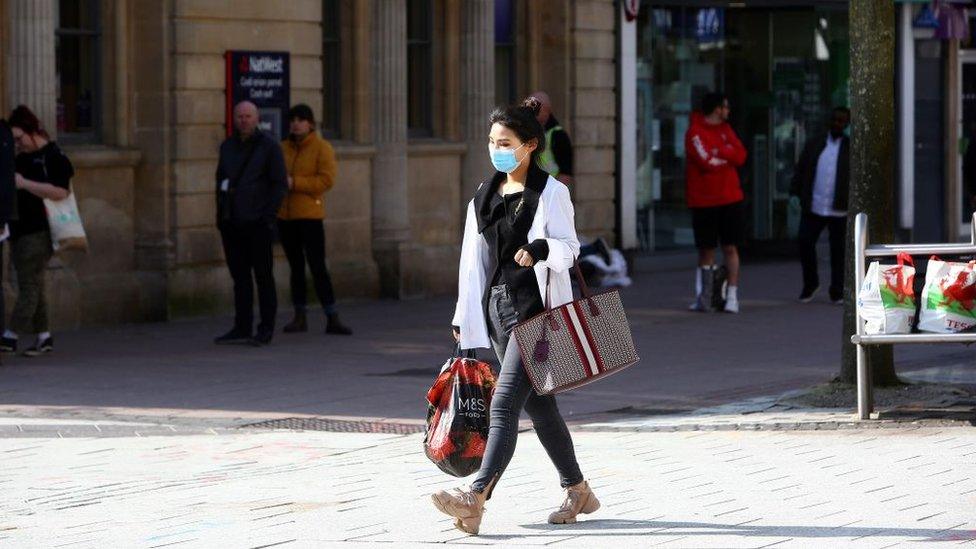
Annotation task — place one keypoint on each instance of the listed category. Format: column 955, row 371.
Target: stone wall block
column 594, row 14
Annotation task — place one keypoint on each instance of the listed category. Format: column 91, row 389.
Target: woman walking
column 518, row 235
column 311, row 168
column 43, row 171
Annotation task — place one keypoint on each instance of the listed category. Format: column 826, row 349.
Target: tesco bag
column 886, row 300
column 458, row 406
column 949, row 297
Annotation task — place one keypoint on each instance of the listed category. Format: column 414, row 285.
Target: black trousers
column 304, row 240
column 512, row 393
column 248, row 250
column 811, row 225
column 3, row 303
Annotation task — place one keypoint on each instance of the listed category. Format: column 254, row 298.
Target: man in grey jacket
column 251, row 183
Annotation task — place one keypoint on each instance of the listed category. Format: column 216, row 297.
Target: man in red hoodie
column 714, row 196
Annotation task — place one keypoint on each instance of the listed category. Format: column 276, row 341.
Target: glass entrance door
column 787, row 68
column 680, row 53
column 783, row 69
column 966, row 172
column 810, row 59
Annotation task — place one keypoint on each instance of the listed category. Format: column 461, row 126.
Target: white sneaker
column 732, row 304
column 697, row 306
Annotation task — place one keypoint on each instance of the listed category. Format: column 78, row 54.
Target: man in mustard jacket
column 311, row 166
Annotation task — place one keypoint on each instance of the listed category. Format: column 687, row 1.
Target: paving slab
column 133, row 436
column 172, row 373
column 317, row 489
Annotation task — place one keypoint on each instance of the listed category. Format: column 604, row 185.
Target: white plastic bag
column 614, row 273
column 949, row 297
column 886, row 299
column 67, row 231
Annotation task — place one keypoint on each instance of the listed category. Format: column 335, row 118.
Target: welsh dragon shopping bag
column 886, row 300
column 458, row 406
column 949, row 297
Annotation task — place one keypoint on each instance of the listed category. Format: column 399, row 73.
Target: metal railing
column 862, row 251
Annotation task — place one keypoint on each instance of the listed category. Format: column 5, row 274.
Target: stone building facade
column 134, row 90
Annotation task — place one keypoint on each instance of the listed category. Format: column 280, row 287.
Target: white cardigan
column 554, row 222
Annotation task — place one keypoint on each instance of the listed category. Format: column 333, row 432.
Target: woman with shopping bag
column 43, row 173
column 519, row 233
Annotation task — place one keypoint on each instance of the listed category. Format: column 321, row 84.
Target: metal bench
column 862, row 251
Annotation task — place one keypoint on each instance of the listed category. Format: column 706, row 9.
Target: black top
column 257, row 179
column 505, row 222
column 805, row 173
column 562, row 148
column 45, row 165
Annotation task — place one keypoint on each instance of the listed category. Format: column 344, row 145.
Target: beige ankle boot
column 464, row 504
column 579, row 499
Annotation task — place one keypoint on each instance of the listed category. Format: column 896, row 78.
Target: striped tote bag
column 577, row 343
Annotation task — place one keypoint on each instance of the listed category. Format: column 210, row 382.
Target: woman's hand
column 19, row 181
column 457, row 335
column 524, row 258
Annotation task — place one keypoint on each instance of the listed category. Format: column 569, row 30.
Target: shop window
column 505, row 51
column 419, row 68
column 331, row 69
column 77, row 52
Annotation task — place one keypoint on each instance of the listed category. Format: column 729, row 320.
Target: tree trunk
column 872, row 28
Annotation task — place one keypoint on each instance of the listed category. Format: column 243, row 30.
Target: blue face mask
column 505, row 160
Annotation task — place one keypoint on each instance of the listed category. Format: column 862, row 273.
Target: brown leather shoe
column 579, row 499
column 464, row 504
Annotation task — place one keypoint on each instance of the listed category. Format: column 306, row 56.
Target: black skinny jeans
column 304, row 239
column 513, row 392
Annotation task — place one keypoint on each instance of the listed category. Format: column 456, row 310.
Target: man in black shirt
column 251, row 182
column 557, row 158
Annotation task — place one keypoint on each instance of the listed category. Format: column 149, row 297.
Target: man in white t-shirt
column 821, row 184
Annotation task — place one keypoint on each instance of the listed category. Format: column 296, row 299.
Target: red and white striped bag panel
column 576, row 343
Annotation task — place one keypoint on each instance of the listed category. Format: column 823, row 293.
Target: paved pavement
column 859, row 488
column 172, row 372
column 132, row 437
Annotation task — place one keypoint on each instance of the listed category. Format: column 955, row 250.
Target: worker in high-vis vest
column 557, row 157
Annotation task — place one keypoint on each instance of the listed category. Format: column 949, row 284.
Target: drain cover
column 337, row 426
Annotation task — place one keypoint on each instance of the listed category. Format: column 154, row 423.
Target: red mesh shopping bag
column 458, row 405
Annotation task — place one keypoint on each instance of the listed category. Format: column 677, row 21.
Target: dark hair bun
column 532, row 104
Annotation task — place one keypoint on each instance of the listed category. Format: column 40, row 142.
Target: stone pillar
column 477, row 91
column 30, row 67
column 390, row 197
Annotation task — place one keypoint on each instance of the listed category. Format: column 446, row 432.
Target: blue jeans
column 513, row 392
